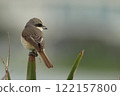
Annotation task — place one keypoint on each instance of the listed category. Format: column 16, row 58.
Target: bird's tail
column 45, row 59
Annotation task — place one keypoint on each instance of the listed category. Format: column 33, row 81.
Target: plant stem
column 7, row 75
column 31, row 69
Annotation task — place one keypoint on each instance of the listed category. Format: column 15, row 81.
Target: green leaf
column 31, row 69
column 75, row 65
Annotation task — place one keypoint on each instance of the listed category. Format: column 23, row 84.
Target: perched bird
column 32, row 39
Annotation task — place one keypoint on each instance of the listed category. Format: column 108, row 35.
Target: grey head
column 36, row 22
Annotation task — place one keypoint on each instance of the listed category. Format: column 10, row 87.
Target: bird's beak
column 44, row 27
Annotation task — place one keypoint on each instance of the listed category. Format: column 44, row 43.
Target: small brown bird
column 32, row 39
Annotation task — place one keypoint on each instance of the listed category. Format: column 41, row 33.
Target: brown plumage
column 32, row 39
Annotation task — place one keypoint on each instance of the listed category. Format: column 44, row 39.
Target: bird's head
column 37, row 23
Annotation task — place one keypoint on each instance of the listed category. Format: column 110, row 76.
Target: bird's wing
column 34, row 36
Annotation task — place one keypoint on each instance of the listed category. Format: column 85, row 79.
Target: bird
column 33, row 40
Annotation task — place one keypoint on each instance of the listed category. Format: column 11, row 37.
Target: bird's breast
column 26, row 44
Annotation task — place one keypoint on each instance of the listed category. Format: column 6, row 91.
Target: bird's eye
column 38, row 25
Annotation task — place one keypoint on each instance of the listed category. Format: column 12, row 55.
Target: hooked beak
column 44, row 27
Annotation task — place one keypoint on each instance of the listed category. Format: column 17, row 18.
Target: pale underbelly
column 26, row 44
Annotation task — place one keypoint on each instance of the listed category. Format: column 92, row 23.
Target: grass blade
column 75, row 65
column 2, row 60
column 31, row 69
column 7, row 75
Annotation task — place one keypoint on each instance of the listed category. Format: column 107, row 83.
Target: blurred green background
column 73, row 25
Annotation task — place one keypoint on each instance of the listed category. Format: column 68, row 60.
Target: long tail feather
column 45, row 59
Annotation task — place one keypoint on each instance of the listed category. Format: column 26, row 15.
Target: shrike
column 32, row 39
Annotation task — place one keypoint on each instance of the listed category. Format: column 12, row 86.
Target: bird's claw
column 34, row 53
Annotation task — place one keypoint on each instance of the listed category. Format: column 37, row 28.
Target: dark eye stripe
column 38, row 25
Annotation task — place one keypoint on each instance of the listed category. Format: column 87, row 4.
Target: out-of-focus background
column 73, row 25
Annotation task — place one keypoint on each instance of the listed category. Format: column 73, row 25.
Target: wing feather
column 34, row 36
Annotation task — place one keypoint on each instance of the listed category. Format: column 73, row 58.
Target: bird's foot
column 34, row 53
